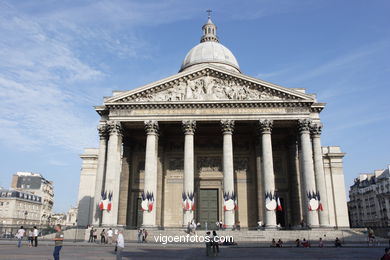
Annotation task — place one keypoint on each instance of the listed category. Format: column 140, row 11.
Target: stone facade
column 250, row 145
column 369, row 204
column 35, row 183
column 19, row 208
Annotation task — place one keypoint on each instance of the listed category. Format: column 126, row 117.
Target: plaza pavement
column 85, row 251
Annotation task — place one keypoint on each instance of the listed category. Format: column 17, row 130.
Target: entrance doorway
column 208, row 208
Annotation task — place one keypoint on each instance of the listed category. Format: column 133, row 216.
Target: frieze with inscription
column 209, row 164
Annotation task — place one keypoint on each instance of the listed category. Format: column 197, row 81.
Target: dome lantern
column 210, row 51
column 209, row 30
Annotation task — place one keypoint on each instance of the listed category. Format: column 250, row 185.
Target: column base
column 270, row 227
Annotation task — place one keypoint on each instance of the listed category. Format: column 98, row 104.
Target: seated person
column 297, row 242
column 305, row 243
column 337, row 242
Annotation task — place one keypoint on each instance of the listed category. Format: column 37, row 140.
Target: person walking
column 139, row 236
column 95, row 235
column 103, row 237
column 209, row 243
column 120, row 245
column 144, row 235
column 110, row 233
column 20, row 235
column 215, row 240
column 30, row 237
column 58, row 241
column 90, row 240
column 36, row 234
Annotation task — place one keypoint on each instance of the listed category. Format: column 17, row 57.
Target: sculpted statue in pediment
column 208, row 88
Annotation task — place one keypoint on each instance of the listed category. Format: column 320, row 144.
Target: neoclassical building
column 211, row 144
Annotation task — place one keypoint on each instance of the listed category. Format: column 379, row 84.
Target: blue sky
column 59, row 58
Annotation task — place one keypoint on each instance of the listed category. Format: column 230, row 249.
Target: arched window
column 209, row 30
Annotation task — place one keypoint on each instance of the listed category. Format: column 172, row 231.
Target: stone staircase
column 250, row 236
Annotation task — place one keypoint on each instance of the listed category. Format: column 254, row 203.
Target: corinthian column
column 150, row 181
column 96, row 213
column 267, row 169
column 319, row 174
column 307, row 171
column 188, row 182
column 113, row 172
column 228, row 170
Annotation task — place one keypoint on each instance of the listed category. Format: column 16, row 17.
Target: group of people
column 32, row 235
column 106, row 237
column 277, row 244
column 109, row 237
column 306, row 243
column 191, row 227
column 212, row 244
column 142, row 235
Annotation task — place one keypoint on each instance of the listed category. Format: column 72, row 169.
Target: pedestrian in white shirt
column 20, row 235
column 110, row 233
column 120, row 245
column 36, row 233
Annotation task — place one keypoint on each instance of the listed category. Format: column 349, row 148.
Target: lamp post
column 25, row 217
column 75, row 233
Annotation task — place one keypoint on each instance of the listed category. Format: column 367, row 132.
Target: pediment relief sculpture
column 207, row 89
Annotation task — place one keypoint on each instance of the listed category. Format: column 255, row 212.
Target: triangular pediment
column 208, row 83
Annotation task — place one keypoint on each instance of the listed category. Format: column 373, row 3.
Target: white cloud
column 36, row 76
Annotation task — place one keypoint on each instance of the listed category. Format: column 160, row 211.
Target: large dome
column 209, row 50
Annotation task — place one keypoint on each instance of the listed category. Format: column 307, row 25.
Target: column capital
column 266, row 125
column 304, row 125
column 227, row 126
column 114, row 128
column 151, row 127
column 315, row 129
column 103, row 131
column 189, row 127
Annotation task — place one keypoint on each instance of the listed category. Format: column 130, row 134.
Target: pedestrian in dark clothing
column 90, row 240
column 103, row 237
column 209, row 243
column 337, row 242
column 215, row 243
column 386, row 256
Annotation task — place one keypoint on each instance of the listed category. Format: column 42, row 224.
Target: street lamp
column 75, row 233
column 25, row 217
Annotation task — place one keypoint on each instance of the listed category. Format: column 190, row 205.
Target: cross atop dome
column 209, row 30
column 209, row 13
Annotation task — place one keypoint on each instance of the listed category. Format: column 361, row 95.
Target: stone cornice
column 206, row 104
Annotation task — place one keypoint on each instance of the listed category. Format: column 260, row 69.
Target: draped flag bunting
column 279, row 207
column 105, row 201
column 109, row 206
column 147, row 202
column 272, row 202
column 103, row 197
column 188, row 201
column 314, row 201
column 230, row 201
